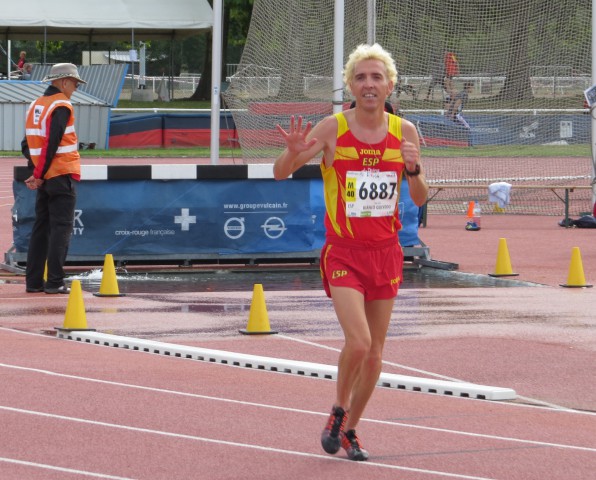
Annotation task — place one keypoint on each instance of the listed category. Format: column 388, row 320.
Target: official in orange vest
column 451, row 70
column 51, row 148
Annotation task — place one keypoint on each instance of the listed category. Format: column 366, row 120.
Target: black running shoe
column 34, row 289
column 351, row 444
column 330, row 438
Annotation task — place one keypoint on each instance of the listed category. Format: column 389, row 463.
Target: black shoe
column 62, row 289
column 34, row 290
column 330, row 438
column 351, row 444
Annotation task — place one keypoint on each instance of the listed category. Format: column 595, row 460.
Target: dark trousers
column 50, row 237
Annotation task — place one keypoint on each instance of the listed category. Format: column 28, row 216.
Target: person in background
column 451, row 70
column 458, row 103
column 27, row 69
column 366, row 151
column 51, row 148
column 22, row 61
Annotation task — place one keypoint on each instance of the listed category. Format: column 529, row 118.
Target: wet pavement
column 538, row 337
column 294, row 279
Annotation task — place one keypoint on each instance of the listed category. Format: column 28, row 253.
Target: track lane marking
column 442, row 377
column 295, row 410
column 46, row 466
column 238, row 444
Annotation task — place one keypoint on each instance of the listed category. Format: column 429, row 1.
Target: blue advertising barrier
column 495, row 129
column 189, row 219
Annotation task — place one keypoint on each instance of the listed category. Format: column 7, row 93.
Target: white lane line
column 296, row 410
column 385, row 362
column 444, row 377
column 46, row 466
column 238, row 444
column 539, row 403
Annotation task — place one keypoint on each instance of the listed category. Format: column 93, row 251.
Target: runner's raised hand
column 295, row 137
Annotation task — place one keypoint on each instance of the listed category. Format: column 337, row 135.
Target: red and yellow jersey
column 39, row 117
column 362, row 185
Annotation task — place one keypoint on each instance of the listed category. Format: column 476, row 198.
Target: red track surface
column 72, row 410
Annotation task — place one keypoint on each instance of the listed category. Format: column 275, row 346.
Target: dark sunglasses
column 76, row 84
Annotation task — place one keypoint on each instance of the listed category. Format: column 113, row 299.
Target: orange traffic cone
column 503, row 266
column 258, row 319
column 109, row 283
column 471, row 206
column 576, row 277
column 473, row 223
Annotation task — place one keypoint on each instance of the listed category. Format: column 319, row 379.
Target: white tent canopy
column 103, row 20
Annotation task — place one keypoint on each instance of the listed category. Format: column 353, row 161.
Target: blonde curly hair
column 369, row 52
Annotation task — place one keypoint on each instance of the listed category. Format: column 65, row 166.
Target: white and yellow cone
column 258, row 318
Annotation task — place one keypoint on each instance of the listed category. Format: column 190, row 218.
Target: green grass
column 480, row 151
column 509, row 151
column 451, row 152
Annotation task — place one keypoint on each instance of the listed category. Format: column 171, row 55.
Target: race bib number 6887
column 371, row 194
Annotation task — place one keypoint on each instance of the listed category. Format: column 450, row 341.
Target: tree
column 236, row 21
column 517, row 84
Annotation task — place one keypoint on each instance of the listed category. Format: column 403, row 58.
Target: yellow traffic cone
column 109, row 283
column 258, row 319
column 75, row 317
column 503, row 266
column 576, row 277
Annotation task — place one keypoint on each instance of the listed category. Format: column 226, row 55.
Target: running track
column 73, row 410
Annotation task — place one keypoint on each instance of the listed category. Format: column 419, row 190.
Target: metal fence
column 176, row 87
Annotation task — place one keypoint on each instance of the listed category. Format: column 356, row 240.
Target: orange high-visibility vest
column 39, row 117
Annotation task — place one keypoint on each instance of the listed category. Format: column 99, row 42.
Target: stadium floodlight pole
column 216, row 79
column 338, row 56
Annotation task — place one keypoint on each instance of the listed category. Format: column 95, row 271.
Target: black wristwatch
column 415, row 173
